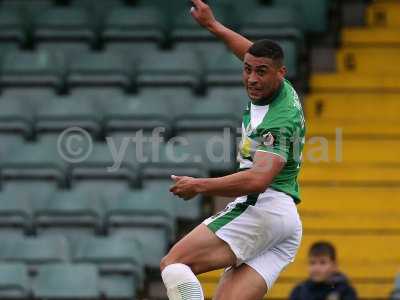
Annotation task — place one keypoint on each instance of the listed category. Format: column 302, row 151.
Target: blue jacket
column 338, row 288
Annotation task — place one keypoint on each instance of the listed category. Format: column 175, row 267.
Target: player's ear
column 282, row 71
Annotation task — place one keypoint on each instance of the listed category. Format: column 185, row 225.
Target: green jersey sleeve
column 276, row 140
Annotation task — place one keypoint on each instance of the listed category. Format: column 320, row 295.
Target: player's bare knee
column 165, row 261
column 170, row 259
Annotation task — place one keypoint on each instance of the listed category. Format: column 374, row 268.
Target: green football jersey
column 277, row 128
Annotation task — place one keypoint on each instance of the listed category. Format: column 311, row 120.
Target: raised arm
column 203, row 14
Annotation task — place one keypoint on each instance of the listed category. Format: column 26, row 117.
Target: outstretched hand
column 203, row 14
column 184, row 187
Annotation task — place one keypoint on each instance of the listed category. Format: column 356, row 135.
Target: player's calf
column 200, row 251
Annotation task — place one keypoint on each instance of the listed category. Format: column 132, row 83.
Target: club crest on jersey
column 268, row 139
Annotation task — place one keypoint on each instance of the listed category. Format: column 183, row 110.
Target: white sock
column 181, row 283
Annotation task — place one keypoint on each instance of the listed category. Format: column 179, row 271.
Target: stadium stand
column 74, row 229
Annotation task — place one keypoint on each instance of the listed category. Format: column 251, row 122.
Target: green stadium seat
column 98, row 10
column 210, row 139
column 15, row 118
column 269, row 17
column 139, row 113
column 7, row 47
column 63, row 24
column 158, row 178
column 313, row 20
column 147, row 217
column 236, row 95
column 108, row 187
column 169, row 68
column 31, row 69
column 212, row 147
column 202, row 49
column 125, row 25
column 27, row 8
column 271, row 22
column 24, row 196
column 291, row 53
column 97, row 96
column 241, row 6
column 15, row 210
column 14, row 281
column 109, row 175
column 152, row 239
column 184, row 210
column 9, row 142
column 185, row 28
column 34, row 98
column 36, row 193
column 132, row 49
column 119, row 287
column 223, row 69
column 11, row 27
column 65, row 112
column 67, row 281
column 177, row 98
column 100, row 70
column 69, row 210
column 35, row 251
column 67, row 51
column 17, row 203
column 112, row 255
column 35, row 161
column 208, row 130
column 143, row 207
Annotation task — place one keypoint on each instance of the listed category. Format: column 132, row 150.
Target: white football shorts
column 264, row 231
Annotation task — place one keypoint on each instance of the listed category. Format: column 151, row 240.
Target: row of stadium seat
column 96, row 207
column 46, row 160
column 64, row 280
column 139, row 24
column 44, row 207
column 182, row 112
column 212, row 147
column 111, row 69
column 96, row 212
column 157, row 17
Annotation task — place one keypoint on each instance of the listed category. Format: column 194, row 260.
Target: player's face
column 261, row 76
column 321, row 268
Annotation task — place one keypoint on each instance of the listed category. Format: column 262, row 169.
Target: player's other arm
column 205, row 17
column 255, row 180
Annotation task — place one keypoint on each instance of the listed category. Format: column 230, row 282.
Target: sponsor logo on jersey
column 268, row 139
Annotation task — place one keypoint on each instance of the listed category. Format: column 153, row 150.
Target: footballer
column 259, row 233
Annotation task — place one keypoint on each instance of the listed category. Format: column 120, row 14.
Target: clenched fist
column 185, row 187
column 203, row 14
